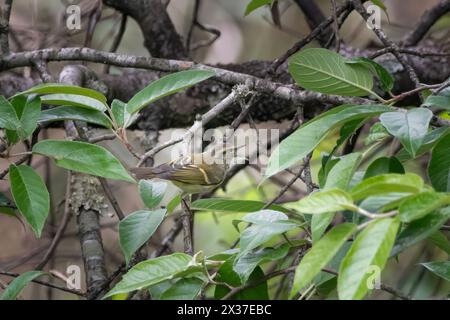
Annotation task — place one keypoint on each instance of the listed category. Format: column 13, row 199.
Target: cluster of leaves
column 385, row 208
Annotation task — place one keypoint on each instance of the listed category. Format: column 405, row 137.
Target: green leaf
column 18, row 284
column 325, row 71
column 384, row 165
column 121, row 115
column 153, row 271
column 174, row 203
column 28, row 110
column 183, row 289
column 370, row 249
column 430, row 140
column 386, row 79
column 320, row 255
column 377, row 133
column 441, row 241
column 137, row 228
column 419, row 205
column 83, row 157
column 74, row 113
column 230, row 205
column 256, row 4
column 265, row 225
column 165, row 86
column 30, row 195
column 439, row 268
column 63, row 99
column 421, row 229
column 152, row 192
column 226, row 274
column 439, row 166
column 9, row 119
column 409, row 127
column 441, row 102
column 338, row 177
column 245, row 265
column 49, row 88
column 387, row 183
column 304, row 140
column 318, row 202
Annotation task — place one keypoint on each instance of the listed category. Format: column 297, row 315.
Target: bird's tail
column 142, row 173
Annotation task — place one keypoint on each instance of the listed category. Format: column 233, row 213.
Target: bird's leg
column 187, row 219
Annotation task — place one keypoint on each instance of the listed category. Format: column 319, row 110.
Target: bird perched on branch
column 196, row 173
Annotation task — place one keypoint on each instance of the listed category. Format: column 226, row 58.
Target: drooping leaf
column 386, row 79
column 320, row 255
column 9, row 119
column 30, row 195
column 183, row 289
column 325, row 71
column 18, row 284
column 387, row 183
column 370, row 249
column 338, row 177
column 384, row 165
column 419, row 205
column 28, row 110
column 64, row 99
column 50, row 88
column 152, row 192
column 331, row 200
column 245, row 265
column 165, row 86
column 439, row 166
column 265, row 225
column 256, row 4
column 439, row 268
column 83, row 157
column 153, row 271
column 74, row 113
column 226, row 274
column 430, row 140
column 295, row 147
column 441, row 241
column 231, row 205
column 421, row 229
column 137, row 228
column 409, row 127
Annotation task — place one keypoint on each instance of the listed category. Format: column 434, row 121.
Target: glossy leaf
column 153, row 271
column 441, row 241
column 295, row 147
column 430, row 140
column 30, row 195
column 256, row 4
column 376, row 133
column 439, row 268
column 226, row 274
column 441, row 102
column 231, row 205
column 387, row 183
column 74, row 113
column 137, row 228
column 439, row 166
column 83, row 157
column 419, row 205
column 64, row 99
column 165, row 86
column 152, row 192
column 245, row 265
column 28, row 110
column 409, row 127
column 421, row 229
column 50, row 88
column 18, row 284
column 320, row 255
column 9, row 119
column 370, row 249
column 386, row 79
column 121, row 115
column 183, row 289
column 384, row 165
column 331, row 200
column 265, row 225
column 325, row 71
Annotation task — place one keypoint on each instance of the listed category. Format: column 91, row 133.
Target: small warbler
column 196, row 173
